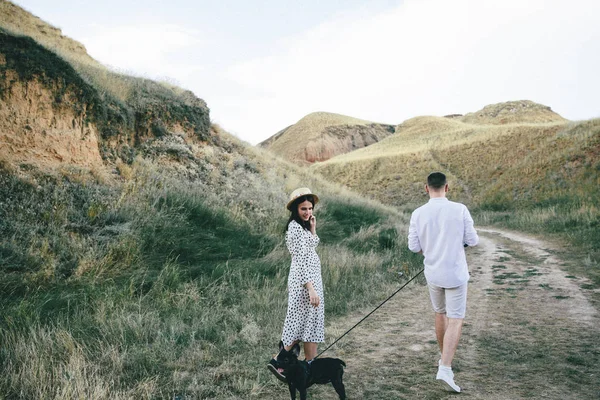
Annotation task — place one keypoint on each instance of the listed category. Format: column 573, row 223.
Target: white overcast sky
column 261, row 65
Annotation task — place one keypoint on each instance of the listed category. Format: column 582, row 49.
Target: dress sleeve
column 294, row 239
column 314, row 240
column 299, row 244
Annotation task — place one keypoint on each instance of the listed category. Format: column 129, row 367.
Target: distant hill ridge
column 321, row 135
column 511, row 112
column 503, row 156
column 421, row 133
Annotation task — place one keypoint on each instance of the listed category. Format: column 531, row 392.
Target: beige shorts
column 449, row 301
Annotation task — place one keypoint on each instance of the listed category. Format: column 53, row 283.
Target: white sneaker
column 446, row 376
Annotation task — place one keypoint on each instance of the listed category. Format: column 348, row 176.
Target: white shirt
column 440, row 229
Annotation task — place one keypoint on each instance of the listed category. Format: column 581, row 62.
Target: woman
column 305, row 319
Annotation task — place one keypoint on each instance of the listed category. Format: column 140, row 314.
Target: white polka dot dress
column 303, row 322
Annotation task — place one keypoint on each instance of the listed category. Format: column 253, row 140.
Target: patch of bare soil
column 35, row 130
column 530, row 332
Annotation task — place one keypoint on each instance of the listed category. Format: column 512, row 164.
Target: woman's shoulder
column 294, row 226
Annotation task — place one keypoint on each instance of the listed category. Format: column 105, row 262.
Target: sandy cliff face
column 54, row 111
column 33, row 128
column 343, row 139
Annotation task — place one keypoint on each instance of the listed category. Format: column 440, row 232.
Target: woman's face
column 305, row 210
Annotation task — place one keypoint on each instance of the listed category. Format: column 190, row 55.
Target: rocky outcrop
column 341, row 139
column 321, row 136
column 512, row 112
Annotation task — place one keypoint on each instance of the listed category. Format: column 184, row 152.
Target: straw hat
column 299, row 193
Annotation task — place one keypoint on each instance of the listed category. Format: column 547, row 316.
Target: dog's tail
column 342, row 362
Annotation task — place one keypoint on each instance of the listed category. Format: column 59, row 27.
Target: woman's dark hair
column 294, row 216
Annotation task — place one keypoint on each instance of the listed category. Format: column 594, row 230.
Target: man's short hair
column 436, row 180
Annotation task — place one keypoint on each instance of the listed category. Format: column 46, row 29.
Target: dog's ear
column 280, row 345
column 296, row 349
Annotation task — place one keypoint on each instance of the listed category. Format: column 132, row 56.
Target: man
column 440, row 230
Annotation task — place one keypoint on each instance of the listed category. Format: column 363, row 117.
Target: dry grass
column 429, row 132
column 168, row 281
column 473, row 156
column 121, row 86
column 18, row 21
column 393, row 170
column 422, row 134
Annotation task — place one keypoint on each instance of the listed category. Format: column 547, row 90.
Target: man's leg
column 450, row 340
column 438, row 301
column 441, row 324
column 456, row 304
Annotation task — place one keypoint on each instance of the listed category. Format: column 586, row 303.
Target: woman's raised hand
column 313, row 224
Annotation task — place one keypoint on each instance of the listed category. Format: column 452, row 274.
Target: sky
column 262, row 65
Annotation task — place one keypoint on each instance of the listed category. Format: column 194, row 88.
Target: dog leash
column 367, row 316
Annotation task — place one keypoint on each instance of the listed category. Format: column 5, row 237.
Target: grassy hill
column 513, row 112
column 141, row 287
column 320, row 136
column 392, row 169
column 517, row 164
column 160, row 270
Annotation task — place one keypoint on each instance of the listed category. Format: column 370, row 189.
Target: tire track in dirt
column 530, row 332
column 579, row 308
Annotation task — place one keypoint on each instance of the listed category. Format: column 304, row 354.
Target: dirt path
column 530, row 332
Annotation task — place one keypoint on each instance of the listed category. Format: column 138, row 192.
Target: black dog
column 301, row 375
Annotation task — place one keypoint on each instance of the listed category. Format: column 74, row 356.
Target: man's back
column 440, row 229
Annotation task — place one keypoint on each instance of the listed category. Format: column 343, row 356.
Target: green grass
column 351, row 219
column 171, row 280
column 155, row 287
